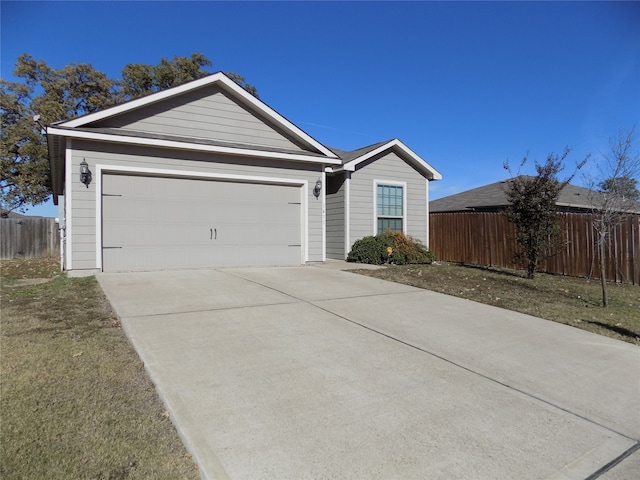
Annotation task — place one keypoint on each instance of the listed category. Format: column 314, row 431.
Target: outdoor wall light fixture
column 318, row 188
column 85, row 173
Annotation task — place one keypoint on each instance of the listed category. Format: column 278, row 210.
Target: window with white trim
column 390, row 207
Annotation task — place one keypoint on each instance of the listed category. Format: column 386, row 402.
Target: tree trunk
column 531, row 269
column 603, row 266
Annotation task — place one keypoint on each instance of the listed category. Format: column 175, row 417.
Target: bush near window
column 374, row 250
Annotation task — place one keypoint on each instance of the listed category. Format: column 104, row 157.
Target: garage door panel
column 159, row 223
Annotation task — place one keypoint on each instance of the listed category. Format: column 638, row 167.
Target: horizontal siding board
column 391, row 167
column 335, row 218
column 208, row 113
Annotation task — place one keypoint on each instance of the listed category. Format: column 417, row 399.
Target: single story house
column 492, row 198
column 206, row 175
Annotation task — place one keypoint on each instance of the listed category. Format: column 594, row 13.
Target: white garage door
column 153, row 223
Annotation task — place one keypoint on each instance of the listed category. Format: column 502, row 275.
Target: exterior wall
column 388, row 167
column 207, row 113
column 336, row 186
column 81, row 225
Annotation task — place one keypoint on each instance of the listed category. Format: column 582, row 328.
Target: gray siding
column 361, row 196
column 335, row 231
column 207, row 113
column 82, row 218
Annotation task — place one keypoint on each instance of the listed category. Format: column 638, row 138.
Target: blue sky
column 466, row 85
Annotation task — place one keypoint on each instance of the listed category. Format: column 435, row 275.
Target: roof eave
column 415, row 159
column 56, row 165
column 174, row 144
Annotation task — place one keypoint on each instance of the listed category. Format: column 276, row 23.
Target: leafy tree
column 24, row 176
column 140, row 79
column 532, row 209
column 615, row 193
column 53, row 95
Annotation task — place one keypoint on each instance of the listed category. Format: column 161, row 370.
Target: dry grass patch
column 76, row 401
column 12, row 271
column 568, row 300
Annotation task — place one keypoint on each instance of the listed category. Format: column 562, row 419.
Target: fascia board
column 141, row 102
column 228, row 85
column 103, row 137
column 410, row 154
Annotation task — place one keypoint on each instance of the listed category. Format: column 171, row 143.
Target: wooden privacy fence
column 489, row 239
column 29, row 237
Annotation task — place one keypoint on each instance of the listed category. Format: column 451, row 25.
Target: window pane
column 393, row 224
column 389, row 200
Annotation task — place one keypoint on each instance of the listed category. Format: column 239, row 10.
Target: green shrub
column 372, row 250
column 405, row 249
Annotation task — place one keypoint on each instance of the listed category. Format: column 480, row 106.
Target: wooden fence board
column 29, row 237
column 481, row 238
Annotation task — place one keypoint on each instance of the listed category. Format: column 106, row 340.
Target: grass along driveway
column 568, row 300
column 76, row 401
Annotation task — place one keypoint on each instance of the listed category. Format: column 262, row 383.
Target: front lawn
column 76, row 401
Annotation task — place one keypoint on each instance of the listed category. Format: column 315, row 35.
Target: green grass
column 568, row 300
column 76, row 401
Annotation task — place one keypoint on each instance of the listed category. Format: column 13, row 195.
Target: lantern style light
column 85, row 173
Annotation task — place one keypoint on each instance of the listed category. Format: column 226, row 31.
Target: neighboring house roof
column 352, row 159
column 493, row 197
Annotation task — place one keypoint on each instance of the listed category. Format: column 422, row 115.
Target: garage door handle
column 213, row 231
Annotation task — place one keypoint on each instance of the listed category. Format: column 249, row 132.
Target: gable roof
column 352, row 159
column 96, row 126
column 493, row 197
column 85, row 128
column 219, row 79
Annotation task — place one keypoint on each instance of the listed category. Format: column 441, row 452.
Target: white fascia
column 224, row 82
column 418, row 162
column 152, row 142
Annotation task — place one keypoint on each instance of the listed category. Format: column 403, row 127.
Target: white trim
column 227, row 84
column 104, row 137
column 324, row 215
column 305, row 221
column 347, row 214
column 160, row 172
column 417, row 162
column 68, row 194
column 394, row 183
column 99, row 250
column 426, row 242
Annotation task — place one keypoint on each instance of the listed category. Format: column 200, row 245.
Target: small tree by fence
column 478, row 238
column 29, row 237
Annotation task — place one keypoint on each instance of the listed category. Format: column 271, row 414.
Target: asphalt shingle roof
column 493, row 196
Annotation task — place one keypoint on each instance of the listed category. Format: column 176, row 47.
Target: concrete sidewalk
column 317, row 373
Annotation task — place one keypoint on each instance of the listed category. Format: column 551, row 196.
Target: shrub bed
column 390, row 247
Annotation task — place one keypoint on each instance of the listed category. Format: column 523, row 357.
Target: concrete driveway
column 314, row 373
